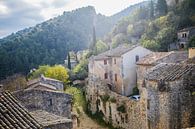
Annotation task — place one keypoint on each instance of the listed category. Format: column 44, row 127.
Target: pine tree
column 161, row 8
column 69, row 64
column 151, row 9
column 93, row 44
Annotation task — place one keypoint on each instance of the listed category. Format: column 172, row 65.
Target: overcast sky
column 19, row 14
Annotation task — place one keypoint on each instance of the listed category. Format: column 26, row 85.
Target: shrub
column 121, row 108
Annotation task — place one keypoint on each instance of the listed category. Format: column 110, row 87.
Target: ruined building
column 52, row 109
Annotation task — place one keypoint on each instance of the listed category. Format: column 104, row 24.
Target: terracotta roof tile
column 13, row 115
column 169, row 72
column 163, row 57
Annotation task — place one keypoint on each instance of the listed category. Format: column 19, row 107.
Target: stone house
column 155, row 58
column 118, row 67
column 14, row 115
column 46, row 83
column 184, row 35
column 52, row 109
column 167, row 96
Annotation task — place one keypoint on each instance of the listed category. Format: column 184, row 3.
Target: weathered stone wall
column 57, row 103
column 58, row 84
column 170, row 107
column 60, row 126
column 117, row 110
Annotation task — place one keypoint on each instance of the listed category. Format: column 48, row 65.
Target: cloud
column 19, row 14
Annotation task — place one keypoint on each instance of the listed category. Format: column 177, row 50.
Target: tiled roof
column 46, row 118
column 120, row 50
column 187, row 29
column 169, row 72
column 163, row 57
column 13, row 115
column 46, row 86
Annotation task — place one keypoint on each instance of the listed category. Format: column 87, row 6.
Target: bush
column 121, row 108
column 112, row 100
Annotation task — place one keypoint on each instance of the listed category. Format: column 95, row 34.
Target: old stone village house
column 166, row 92
column 117, row 67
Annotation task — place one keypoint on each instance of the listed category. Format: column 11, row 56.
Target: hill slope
column 49, row 42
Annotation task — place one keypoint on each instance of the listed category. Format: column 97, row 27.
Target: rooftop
column 155, row 58
column 13, row 115
column 187, row 29
column 46, row 118
column 169, row 72
column 116, row 52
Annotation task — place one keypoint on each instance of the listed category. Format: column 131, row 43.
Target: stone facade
column 46, row 81
column 57, row 103
column 118, row 67
column 167, row 96
column 118, row 110
column 51, row 121
column 184, row 35
column 156, row 58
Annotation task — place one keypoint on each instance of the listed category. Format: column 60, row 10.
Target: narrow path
column 87, row 123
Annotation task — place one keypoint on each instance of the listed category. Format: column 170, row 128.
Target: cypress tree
column 69, row 64
column 161, row 8
column 151, row 9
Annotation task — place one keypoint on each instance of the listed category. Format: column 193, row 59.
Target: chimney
column 191, row 52
column 1, row 88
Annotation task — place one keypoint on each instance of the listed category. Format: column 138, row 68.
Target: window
column 105, row 62
column 115, row 77
column 50, row 102
column 106, row 76
column 136, row 58
column 148, row 104
column 114, row 61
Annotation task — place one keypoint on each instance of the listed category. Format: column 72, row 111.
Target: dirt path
column 87, row 123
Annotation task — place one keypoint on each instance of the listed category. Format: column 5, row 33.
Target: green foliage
column 121, row 108
column 37, row 73
column 101, row 46
column 150, row 44
column 161, row 8
column 81, row 70
column 112, row 99
column 78, row 97
column 69, row 64
column 56, row 72
column 192, row 42
column 151, row 9
column 135, row 91
column 105, row 98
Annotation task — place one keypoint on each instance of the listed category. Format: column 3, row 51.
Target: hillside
column 49, row 42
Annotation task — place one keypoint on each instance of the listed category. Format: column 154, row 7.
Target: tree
column 161, row 8
column 93, row 44
column 57, row 72
column 151, row 9
column 101, row 46
column 37, row 73
column 69, row 63
column 192, row 42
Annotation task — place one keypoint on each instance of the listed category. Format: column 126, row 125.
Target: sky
column 19, row 14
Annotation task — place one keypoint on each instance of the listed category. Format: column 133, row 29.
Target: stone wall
column 60, row 126
column 117, row 110
column 57, row 103
column 170, row 108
